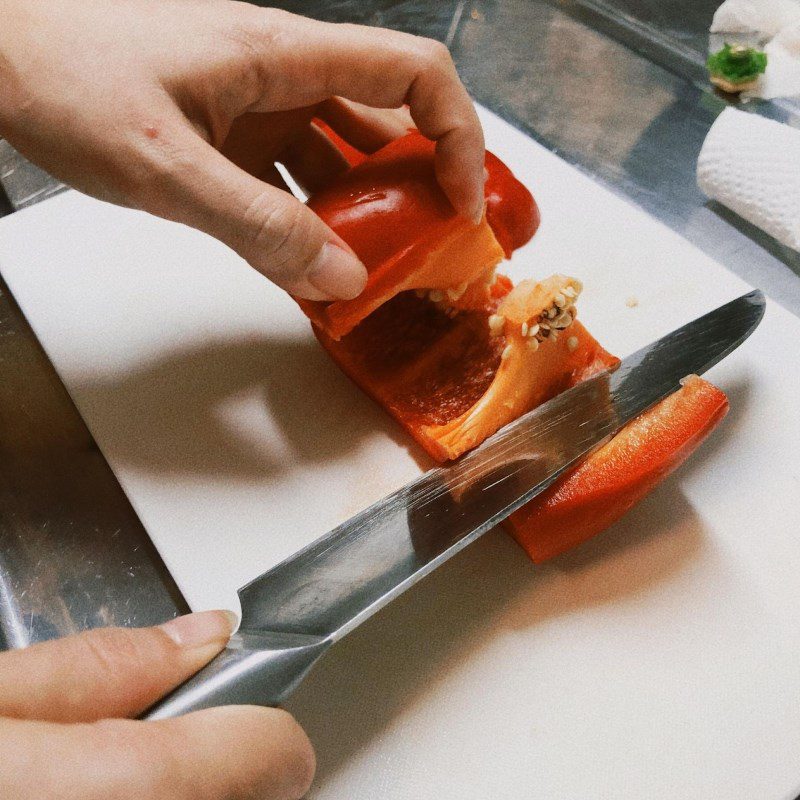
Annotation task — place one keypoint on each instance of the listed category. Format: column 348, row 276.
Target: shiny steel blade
column 341, row 579
column 293, row 612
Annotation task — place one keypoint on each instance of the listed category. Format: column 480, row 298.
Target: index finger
column 108, row 672
column 303, row 62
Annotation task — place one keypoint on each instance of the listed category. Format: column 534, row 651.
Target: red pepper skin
column 618, row 475
column 511, row 210
column 391, row 210
column 388, row 204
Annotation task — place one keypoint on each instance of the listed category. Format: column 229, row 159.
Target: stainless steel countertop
column 617, row 88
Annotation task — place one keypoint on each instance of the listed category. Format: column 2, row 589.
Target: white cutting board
column 661, row 660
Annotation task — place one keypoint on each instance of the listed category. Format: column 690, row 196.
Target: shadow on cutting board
column 394, row 660
column 172, row 416
column 169, row 416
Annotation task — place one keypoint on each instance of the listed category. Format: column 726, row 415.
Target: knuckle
column 460, row 126
column 434, row 55
column 114, row 650
column 109, row 646
column 154, row 170
column 247, row 38
column 277, row 233
column 267, row 24
column 254, row 31
column 248, row 33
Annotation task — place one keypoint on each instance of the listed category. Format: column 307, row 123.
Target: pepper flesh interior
column 452, row 382
column 465, row 259
column 536, row 363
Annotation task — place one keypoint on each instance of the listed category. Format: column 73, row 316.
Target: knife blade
column 295, row 611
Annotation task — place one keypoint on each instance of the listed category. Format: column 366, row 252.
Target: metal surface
column 254, row 669
column 73, row 554
column 295, row 611
column 24, row 184
column 613, row 87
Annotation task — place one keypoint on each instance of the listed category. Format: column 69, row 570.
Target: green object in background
column 737, row 64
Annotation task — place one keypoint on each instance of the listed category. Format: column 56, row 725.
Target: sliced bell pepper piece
column 453, row 380
column 390, row 209
column 619, row 474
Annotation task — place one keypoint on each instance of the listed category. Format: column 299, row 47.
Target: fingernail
column 485, row 174
column 477, row 214
column 201, row 629
column 337, row 273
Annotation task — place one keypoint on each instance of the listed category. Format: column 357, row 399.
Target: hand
column 182, row 107
column 62, row 732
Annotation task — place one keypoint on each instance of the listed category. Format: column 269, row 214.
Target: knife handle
column 254, row 669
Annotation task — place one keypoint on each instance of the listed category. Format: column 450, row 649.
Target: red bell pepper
column 618, row 475
column 392, row 212
column 455, row 364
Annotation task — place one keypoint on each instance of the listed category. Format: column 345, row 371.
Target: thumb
column 272, row 230
column 108, row 672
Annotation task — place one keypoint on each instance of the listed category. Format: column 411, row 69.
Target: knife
column 294, row 612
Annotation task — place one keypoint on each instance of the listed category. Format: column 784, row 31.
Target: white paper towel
column 766, row 17
column 782, row 78
column 752, row 165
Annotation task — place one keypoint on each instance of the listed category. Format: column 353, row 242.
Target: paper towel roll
column 752, row 166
